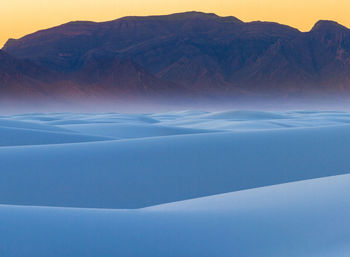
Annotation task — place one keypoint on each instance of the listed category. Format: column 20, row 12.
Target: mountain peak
column 194, row 14
column 191, row 15
column 203, row 15
column 327, row 25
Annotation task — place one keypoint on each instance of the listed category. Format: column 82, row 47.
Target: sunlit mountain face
column 190, row 55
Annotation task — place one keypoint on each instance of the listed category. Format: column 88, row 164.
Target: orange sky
column 20, row 17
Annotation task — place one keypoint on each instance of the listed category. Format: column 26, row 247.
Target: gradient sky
column 20, row 17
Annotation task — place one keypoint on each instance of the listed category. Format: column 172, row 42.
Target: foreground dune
column 308, row 218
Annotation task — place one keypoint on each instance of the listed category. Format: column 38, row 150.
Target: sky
column 21, row 17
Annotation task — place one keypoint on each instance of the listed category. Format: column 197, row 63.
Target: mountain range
column 192, row 53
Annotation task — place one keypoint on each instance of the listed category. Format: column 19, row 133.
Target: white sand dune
column 118, row 130
column 13, row 123
column 177, row 184
column 245, row 115
column 302, row 219
column 140, row 172
column 20, row 137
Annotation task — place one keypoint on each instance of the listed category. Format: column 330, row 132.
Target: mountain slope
column 97, row 75
column 21, row 76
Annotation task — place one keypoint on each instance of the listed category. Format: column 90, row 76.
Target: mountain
column 21, row 77
column 189, row 53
